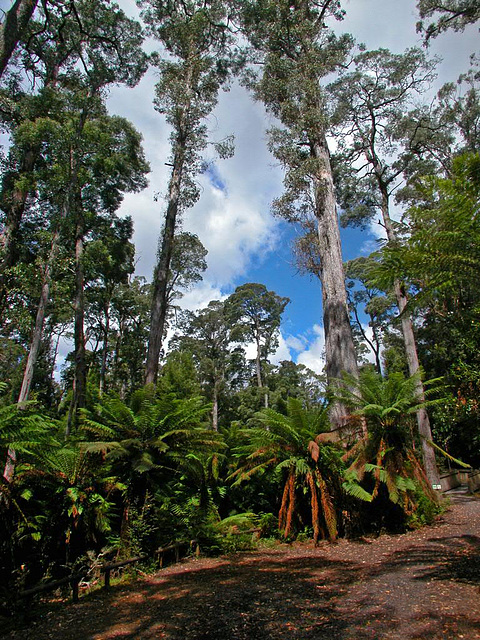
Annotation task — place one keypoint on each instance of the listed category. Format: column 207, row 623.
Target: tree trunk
column 103, row 367
column 39, row 322
column 13, row 27
column 339, row 347
column 215, row 406
column 160, row 278
column 258, row 365
column 423, row 421
column 80, row 383
column 80, row 366
column 9, row 469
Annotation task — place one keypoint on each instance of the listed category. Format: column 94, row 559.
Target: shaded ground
column 424, row 584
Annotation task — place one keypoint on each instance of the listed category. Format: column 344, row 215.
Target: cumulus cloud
column 282, row 352
column 200, row 296
column 232, row 217
column 313, row 356
column 233, row 230
column 296, row 343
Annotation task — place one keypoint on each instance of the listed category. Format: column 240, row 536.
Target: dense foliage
column 99, row 464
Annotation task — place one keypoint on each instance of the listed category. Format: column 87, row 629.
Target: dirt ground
column 423, row 584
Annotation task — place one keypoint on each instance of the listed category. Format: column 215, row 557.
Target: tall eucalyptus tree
column 206, row 335
column 196, row 36
column 255, row 315
column 297, row 49
column 371, row 101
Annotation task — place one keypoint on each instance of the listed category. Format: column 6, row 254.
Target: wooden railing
column 74, row 578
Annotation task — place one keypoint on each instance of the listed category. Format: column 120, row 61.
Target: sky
column 232, row 219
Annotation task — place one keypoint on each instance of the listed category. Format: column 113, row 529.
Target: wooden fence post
column 74, row 585
column 107, row 578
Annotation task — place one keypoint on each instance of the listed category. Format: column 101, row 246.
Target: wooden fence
column 74, row 578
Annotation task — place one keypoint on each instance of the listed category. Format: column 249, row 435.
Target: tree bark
column 159, row 300
column 215, row 406
column 339, row 346
column 13, row 27
column 80, row 381
column 103, row 367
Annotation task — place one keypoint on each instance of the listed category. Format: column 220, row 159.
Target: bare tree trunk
column 215, row 406
column 103, row 367
column 37, row 334
column 39, row 322
column 423, row 421
column 80, row 379
column 258, row 365
column 55, row 352
column 339, row 346
column 13, row 27
column 374, row 345
column 159, row 300
column 80, row 367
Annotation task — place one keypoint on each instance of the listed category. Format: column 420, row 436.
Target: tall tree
column 440, row 259
column 196, row 36
column 206, row 335
column 371, row 100
column 109, row 261
column 255, row 314
column 298, row 49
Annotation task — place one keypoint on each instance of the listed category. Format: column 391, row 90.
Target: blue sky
column 233, row 217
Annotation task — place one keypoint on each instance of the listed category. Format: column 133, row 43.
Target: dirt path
column 424, row 584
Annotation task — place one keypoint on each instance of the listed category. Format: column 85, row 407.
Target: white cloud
column 233, row 223
column 233, row 230
column 200, row 296
column 296, row 343
column 313, row 356
column 282, row 352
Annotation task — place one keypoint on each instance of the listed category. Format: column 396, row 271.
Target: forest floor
column 422, row 584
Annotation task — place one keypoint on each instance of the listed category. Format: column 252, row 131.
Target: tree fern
column 288, row 445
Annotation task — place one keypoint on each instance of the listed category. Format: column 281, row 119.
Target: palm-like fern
column 290, row 444
column 155, row 443
column 386, row 453
column 23, row 430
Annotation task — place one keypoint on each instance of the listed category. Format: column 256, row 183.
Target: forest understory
column 421, row 584
column 159, row 387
